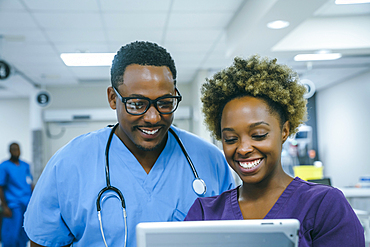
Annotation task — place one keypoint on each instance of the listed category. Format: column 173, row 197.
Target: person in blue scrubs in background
column 15, row 193
column 146, row 163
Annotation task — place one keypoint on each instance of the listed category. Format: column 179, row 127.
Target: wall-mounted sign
column 4, row 70
column 310, row 86
column 43, row 98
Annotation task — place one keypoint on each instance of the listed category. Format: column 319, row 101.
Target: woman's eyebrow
column 258, row 123
column 253, row 125
column 227, row 129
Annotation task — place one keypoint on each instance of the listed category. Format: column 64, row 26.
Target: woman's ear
column 111, row 97
column 285, row 131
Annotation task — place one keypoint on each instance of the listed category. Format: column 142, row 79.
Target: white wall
column 15, row 127
column 200, row 128
column 15, row 118
column 343, row 122
column 86, row 96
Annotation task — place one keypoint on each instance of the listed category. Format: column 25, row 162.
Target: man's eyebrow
column 137, row 95
column 142, row 96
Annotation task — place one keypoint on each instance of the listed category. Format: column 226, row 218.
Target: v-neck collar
column 279, row 204
column 126, row 158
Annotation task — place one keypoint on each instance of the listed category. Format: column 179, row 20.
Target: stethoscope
column 199, row 186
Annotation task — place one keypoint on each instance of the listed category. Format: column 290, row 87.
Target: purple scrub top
column 326, row 217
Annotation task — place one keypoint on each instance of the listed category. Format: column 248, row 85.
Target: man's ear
column 111, row 97
column 285, row 131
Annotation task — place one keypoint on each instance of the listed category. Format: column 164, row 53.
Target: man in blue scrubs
column 146, row 163
column 15, row 193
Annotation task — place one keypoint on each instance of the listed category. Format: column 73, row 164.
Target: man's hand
column 7, row 212
column 36, row 245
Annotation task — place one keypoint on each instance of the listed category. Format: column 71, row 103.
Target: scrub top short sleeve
column 48, row 213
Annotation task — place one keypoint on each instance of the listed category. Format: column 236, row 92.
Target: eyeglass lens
column 164, row 105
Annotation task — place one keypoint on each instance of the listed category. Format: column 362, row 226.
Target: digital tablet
column 217, row 233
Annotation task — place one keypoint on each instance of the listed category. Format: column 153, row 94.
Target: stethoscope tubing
column 107, row 175
column 185, row 152
column 196, row 183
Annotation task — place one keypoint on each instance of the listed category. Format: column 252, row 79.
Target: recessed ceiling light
column 351, row 1
column 87, row 59
column 279, row 24
column 317, row 56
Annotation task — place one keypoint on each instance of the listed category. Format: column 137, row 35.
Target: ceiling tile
column 87, row 46
column 69, row 20
column 129, row 35
column 70, row 5
column 137, row 5
column 25, row 50
column 195, row 46
column 328, row 33
column 40, row 66
column 16, row 20
column 34, row 32
column 188, row 57
column 217, row 61
column 6, row 5
column 192, row 35
column 102, row 72
column 134, row 20
column 22, row 35
column 206, row 5
column 199, row 20
column 71, row 36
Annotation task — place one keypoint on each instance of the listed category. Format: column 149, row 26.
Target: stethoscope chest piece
column 199, row 186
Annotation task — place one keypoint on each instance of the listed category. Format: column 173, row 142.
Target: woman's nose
column 244, row 147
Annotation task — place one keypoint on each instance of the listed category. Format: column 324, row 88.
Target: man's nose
column 152, row 115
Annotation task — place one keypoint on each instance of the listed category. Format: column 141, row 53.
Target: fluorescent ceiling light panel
column 279, row 24
column 317, row 57
column 87, row 59
column 351, row 1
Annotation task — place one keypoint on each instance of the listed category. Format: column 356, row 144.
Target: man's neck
column 147, row 159
column 14, row 160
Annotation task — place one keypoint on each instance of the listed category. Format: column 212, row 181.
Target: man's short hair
column 141, row 53
column 13, row 144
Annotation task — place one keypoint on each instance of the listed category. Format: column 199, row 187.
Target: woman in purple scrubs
column 252, row 107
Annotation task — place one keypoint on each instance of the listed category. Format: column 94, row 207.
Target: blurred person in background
column 15, row 193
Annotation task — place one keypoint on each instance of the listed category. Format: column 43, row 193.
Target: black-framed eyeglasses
column 140, row 105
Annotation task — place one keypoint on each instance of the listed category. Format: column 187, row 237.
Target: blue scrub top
column 16, row 181
column 63, row 210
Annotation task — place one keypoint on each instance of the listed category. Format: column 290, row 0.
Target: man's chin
column 14, row 158
column 148, row 148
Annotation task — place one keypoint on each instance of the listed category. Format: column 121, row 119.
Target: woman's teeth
column 249, row 165
column 148, row 132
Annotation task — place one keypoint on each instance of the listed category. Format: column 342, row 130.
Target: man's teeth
column 249, row 165
column 148, row 132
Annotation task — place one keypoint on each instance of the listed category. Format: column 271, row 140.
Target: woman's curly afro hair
column 276, row 84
